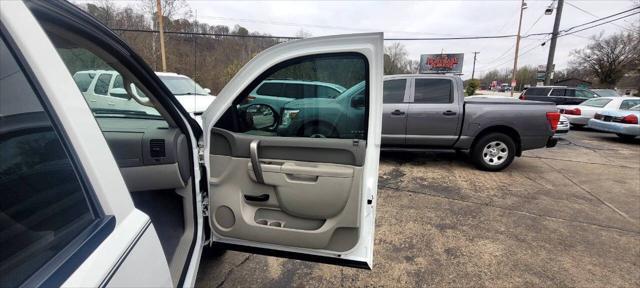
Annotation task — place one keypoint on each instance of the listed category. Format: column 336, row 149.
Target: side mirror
column 260, row 117
column 357, row 101
column 207, row 90
column 119, row 92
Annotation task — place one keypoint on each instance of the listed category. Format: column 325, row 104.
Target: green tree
column 472, row 86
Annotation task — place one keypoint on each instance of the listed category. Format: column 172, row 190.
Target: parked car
column 430, row 112
column 561, row 95
column 579, row 115
column 606, row 92
column 190, row 94
column 622, row 122
column 563, row 126
column 131, row 199
column 106, row 91
column 276, row 93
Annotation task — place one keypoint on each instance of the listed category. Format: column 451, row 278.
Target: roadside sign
column 441, row 63
column 513, row 83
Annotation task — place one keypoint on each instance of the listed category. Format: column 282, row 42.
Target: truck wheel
column 626, row 137
column 319, row 131
column 493, row 152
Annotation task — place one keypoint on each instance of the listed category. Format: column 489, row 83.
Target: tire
column 317, row 130
column 493, row 152
column 626, row 137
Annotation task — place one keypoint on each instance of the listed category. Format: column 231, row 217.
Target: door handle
column 448, row 113
column 255, row 161
column 258, row 198
column 397, row 112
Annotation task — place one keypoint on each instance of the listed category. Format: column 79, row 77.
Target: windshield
column 635, row 108
column 606, row 92
column 181, row 85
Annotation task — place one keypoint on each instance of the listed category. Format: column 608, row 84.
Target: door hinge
column 205, row 217
column 200, row 153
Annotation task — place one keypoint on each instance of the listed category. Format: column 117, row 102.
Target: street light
column 549, row 9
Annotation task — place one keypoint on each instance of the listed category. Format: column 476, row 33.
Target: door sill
column 293, row 255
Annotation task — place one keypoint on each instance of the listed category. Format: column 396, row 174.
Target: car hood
column 310, row 102
column 195, row 103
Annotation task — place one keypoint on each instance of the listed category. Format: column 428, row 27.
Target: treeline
column 211, row 60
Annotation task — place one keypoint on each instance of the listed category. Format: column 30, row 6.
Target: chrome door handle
column 255, row 161
column 448, row 113
column 397, row 112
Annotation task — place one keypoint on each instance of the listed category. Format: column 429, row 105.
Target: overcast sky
column 427, row 19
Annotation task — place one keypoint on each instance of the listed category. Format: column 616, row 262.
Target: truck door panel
column 433, row 118
column 394, row 112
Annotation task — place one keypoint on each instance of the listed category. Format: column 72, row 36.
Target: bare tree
column 609, row 58
column 170, row 8
column 303, row 34
column 395, row 59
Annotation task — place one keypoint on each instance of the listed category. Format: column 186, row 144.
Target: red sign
column 513, row 83
column 442, row 62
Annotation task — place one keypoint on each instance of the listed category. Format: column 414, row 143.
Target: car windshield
column 606, row 92
column 181, row 85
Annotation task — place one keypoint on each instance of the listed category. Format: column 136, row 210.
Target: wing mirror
column 119, row 92
column 259, row 117
column 357, row 101
column 207, row 90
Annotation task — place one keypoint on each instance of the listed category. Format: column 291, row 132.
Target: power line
column 599, row 24
column 206, row 34
column 591, row 14
column 603, row 18
column 405, row 39
column 331, row 27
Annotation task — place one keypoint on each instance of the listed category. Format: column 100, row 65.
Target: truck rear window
column 433, row 91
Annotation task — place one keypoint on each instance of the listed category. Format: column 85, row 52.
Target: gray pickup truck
column 429, row 112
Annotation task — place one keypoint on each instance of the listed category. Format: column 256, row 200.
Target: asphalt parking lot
column 567, row 216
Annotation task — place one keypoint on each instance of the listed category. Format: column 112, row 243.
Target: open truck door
column 291, row 185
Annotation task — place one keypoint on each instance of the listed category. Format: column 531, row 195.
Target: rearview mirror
column 119, row 92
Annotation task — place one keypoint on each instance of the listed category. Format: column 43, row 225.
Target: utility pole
column 515, row 60
column 473, row 72
column 552, row 45
column 161, row 29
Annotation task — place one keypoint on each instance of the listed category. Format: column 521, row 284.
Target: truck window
column 394, row 91
column 557, row 92
column 433, row 91
column 270, row 89
column 570, row 92
column 537, row 91
column 83, row 80
column 295, row 91
column 326, row 92
column 102, row 84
